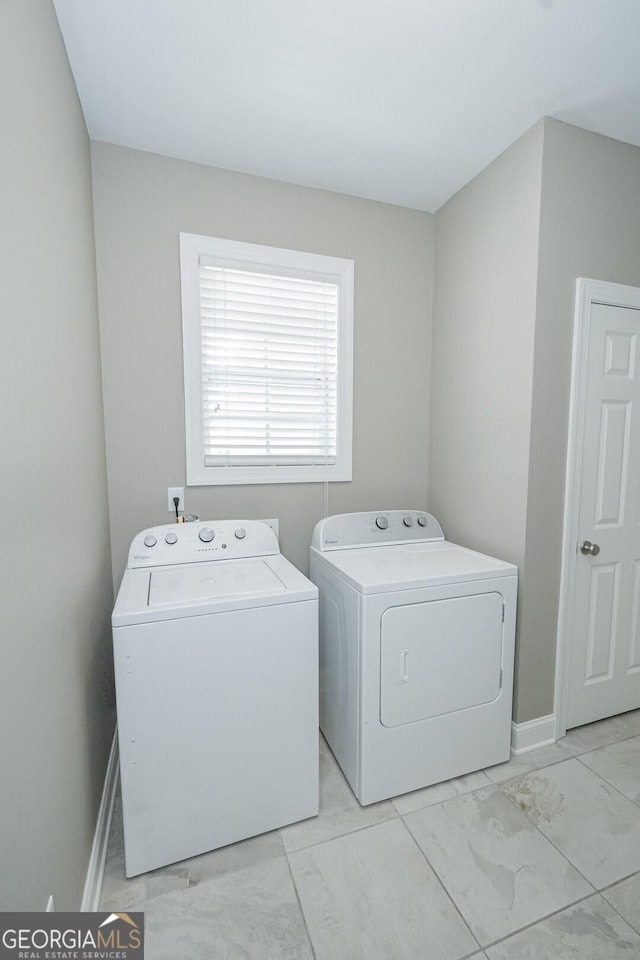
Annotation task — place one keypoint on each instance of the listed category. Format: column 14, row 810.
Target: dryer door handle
column 404, row 662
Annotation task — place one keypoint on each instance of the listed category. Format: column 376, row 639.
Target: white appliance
column 215, row 638
column 416, row 651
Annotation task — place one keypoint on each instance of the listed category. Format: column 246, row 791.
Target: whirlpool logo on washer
column 71, row 936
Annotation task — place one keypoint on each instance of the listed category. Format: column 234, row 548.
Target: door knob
column 589, row 549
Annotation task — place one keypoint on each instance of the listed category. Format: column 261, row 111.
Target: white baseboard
column 533, row 734
column 95, row 870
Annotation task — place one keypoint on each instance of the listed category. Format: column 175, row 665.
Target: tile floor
column 537, row 858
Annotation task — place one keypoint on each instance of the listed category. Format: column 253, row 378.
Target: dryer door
column 440, row 656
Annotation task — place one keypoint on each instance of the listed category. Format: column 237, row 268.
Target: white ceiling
column 396, row 100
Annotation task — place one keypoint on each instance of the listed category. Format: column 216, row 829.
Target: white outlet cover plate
column 175, row 492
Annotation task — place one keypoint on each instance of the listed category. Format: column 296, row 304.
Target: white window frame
column 334, row 269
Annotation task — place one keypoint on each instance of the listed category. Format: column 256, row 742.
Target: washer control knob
column 206, row 534
column 150, row 540
column 408, row 521
column 382, row 523
column 171, row 537
column 240, row 533
column 422, row 520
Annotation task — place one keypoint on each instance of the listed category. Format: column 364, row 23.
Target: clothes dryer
column 416, row 651
column 215, row 641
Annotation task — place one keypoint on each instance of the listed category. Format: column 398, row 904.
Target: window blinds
column 269, row 365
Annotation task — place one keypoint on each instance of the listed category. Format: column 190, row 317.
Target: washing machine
column 215, row 639
column 416, row 651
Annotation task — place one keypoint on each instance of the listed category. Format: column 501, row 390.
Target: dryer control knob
column 408, row 521
column 150, row 540
column 422, row 520
column 382, row 523
column 171, row 538
column 206, row 534
column 240, row 533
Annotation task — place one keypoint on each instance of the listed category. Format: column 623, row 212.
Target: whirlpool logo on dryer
column 71, row 936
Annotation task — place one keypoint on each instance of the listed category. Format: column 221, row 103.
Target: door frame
column 588, row 292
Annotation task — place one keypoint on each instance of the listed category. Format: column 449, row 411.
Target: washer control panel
column 348, row 530
column 207, row 540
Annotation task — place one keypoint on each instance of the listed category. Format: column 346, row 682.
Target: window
column 268, row 350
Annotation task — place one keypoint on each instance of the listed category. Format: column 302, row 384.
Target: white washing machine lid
column 408, row 566
column 195, row 589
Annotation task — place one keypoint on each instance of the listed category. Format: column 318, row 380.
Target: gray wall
column 56, row 713
column 589, row 227
column 483, row 331
column 142, row 203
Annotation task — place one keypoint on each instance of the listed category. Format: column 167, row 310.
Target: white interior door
column 603, row 606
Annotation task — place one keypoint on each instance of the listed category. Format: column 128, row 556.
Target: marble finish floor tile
column 353, row 866
column 625, row 897
column 340, row 812
column 533, row 760
column 595, row 827
column 499, row 870
column 236, row 856
column 417, row 799
column 590, row 930
column 371, row 895
column 619, row 765
column 251, row 914
column 166, row 879
column 602, row 733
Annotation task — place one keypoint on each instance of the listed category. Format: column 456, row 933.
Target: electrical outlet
column 275, row 526
column 175, row 492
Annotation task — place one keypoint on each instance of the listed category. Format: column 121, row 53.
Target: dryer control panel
column 206, row 540
column 348, row 530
